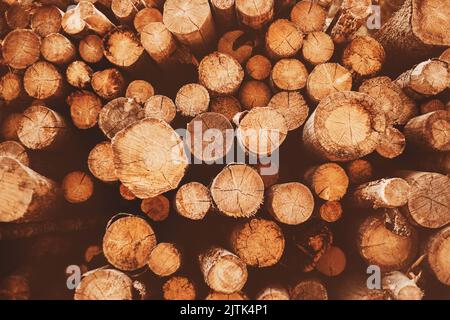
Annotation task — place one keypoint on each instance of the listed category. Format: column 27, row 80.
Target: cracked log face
column 160, row 107
column 156, row 208
column 254, row 14
column 128, row 243
column 430, row 21
column 149, row 158
column 43, row 81
column 193, row 201
column 283, row 39
column 292, row 106
column 179, row 288
column 380, row 246
column 258, row 242
column 104, row 284
column 290, row 203
column 328, row 181
column 21, row 48
column 165, row 259
column 101, row 162
column 238, row 191
column 122, row 47
column 328, row 78
column 429, row 200
column 192, row 99
column 345, row 126
column 310, row 289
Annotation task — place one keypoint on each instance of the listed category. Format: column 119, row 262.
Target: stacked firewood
column 343, row 129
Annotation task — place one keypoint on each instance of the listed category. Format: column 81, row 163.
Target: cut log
column 255, row 14
column 192, row 99
column 158, row 42
column 191, row 23
column 415, row 30
column 108, row 84
column 400, row 287
column 126, row 194
column 237, row 191
column 224, row 13
column 359, row 171
column 262, row 131
column 332, row 263
column 165, row 259
column 57, row 49
column 149, row 157
column 193, row 201
column 13, row 149
column 289, row 75
column 145, row 17
column 125, row 10
column 392, row 143
column 227, row 106
column 292, row 106
column 427, row 79
column 432, row 105
column 384, row 193
column 330, row 211
column 290, row 203
column 232, row 43
column 254, row 94
column 156, row 208
column 328, row 181
column 258, row 67
column 11, row 87
column 79, row 74
column 179, row 288
column 364, row 56
column 18, row 15
column 100, row 162
column 104, row 284
column 345, row 126
column 43, row 81
column 429, row 132
column 140, row 91
column 258, row 242
column 77, row 187
column 350, row 17
column 41, row 128
column 122, row 47
column 91, row 48
column 328, row 78
column 46, row 20
column 438, row 253
column 283, row 39
column 308, row 16
column 119, row 114
column 380, row 246
column 310, row 289
column 226, row 296
column 128, row 243
column 428, row 199
column 273, row 293
column 318, row 48
column 9, row 127
column 85, row 107
column 21, row 48
column 160, row 107
column 25, row 194
column 222, row 270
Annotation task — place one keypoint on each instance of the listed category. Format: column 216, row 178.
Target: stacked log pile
column 226, row 149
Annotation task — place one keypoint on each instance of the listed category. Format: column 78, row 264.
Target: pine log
column 156, row 208
column 160, row 107
column 122, row 47
column 91, row 48
column 57, row 49
column 438, row 248
column 258, row 242
column 237, row 199
column 292, row 106
column 392, row 143
column 192, row 99
column 140, row 91
column 149, row 157
column 359, row 171
column 254, row 94
column 309, row 16
column 364, row 56
column 328, row 78
column 289, row 75
column 18, row 15
column 224, row 13
column 384, row 193
column 126, row 194
column 145, row 17
column 46, row 20
column 165, row 259
column 100, row 162
column 128, row 243
column 77, row 187
column 310, row 289
column 232, row 43
column 21, row 48
column 125, row 10
column 193, row 201
column 400, row 287
column 79, row 74
column 328, row 181
column 290, row 203
column 108, row 84
column 11, row 87
column 345, row 126
column 283, row 39
column 318, row 48
column 26, row 195
column 222, row 270
column 42, row 80
column 332, row 263
column 330, row 211
column 431, row 105
column 255, row 14
column 85, row 107
column 13, row 149
column 179, row 288
column 273, row 293
column 159, row 43
column 227, row 106
column 258, row 67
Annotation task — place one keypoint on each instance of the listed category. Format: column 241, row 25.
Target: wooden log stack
column 269, row 150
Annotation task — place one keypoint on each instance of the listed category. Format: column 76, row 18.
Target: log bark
column 191, row 23
column 42, row 80
column 328, row 181
column 428, row 200
column 101, row 163
column 318, row 48
column 392, row 143
column 165, row 259
column 192, row 99
column 254, row 94
column 438, row 248
column 258, row 67
column 258, row 242
column 193, row 201
column 26, row 195
column 384, row 193
column 91, row 48
column 149, row 157
column 328, row 78
column 290, row 203
column 345, row 126
column 179, row 288
column 46, row 20
column 77, row 187
column 160, row 107
column 400, row 287
column 21, row 48
column 364, row 56
column 309, row 16
column 283, row 39
column 108, row 84
column 156, row 208
column 256, row 14
column 380, row 246
column 289, row 75
column 222, row 270
column 310, row 289
column 429, row 132
column 128, row 243
column 235, row 199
